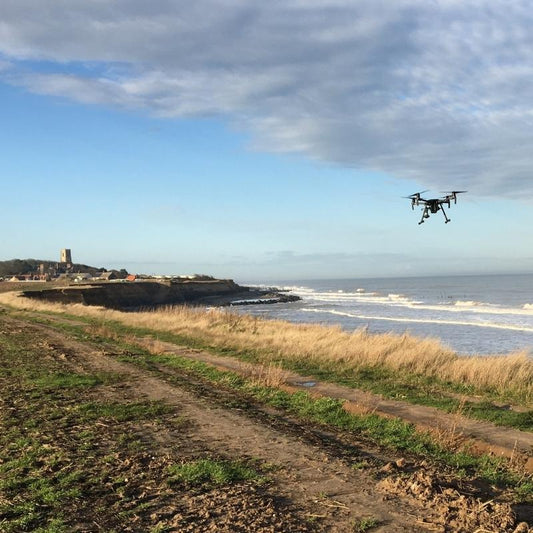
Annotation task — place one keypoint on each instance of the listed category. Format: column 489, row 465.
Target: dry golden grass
column 270, row 375
column 277, row 340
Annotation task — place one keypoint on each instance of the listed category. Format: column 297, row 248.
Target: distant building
column 66, row 256
column 82, row 276
column 108, row 275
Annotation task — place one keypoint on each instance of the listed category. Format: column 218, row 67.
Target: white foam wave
column 479, row 308
column 467, row 303
column 420, row 320
column 341, row 296
column 400, row 300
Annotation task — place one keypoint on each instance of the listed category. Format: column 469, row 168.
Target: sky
column 266, row 141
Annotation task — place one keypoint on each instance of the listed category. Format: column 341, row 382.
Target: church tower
column 66, row 256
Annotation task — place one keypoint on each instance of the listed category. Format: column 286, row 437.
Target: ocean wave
column 401, row 300
column 467, row 303
column 479, row 308
column 359, row 296
column 421, row 320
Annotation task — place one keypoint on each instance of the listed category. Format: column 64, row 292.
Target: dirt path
column 325, row 486
column 482, row 435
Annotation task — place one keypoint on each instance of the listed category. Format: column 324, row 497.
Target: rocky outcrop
column 135, row 295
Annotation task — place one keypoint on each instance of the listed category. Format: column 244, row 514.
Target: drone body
column 432, row 205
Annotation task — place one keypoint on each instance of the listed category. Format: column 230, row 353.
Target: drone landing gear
column 425, row 214
column 446, row 219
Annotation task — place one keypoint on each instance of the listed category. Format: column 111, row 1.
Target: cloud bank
column 435, row 91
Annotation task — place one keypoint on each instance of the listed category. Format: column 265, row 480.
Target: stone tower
column 66, row 256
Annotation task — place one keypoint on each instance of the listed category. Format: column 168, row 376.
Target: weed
column 360, row 465
column 365, row 524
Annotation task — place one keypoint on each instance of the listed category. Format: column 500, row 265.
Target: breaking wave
column 421, row 320
column 400, row 300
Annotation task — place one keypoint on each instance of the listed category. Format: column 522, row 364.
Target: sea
column 484, row 314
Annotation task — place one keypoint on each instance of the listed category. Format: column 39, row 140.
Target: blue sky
column 267, row 141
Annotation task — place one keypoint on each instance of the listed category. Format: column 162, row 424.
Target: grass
column 112, row 328
column 212, row 472
column 49, row 460
column 75, row 454
column 394, row 434
column 70, row 380
column 404, row 364
column 397, row 385
column 365, row 524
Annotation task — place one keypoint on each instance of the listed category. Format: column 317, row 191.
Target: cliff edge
column 124, row 295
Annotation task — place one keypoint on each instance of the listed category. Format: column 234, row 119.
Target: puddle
column 305, row 383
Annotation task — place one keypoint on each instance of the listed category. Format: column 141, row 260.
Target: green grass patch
column 53, row 446
column 63, row 380
column 38, row 479
column 365, row 524
column 203, row 472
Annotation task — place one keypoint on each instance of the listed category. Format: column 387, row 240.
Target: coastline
column 148, row 294
column 471, row 314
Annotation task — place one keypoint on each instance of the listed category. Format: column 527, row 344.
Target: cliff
column 135, row 295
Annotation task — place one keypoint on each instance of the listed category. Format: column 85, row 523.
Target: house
column 82, row 276
column 107, row 276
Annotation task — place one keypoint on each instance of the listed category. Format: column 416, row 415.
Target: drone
column 433, row 205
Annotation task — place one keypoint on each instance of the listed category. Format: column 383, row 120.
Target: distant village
column 66, row 270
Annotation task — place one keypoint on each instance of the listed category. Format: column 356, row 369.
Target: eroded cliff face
column 134, row 295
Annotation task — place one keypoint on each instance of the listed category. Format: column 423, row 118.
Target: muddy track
column 313, row 466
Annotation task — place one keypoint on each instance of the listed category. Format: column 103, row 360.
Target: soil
column 319, row 479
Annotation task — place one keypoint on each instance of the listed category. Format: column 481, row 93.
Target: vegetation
column 15, row 267
column 398, row 366
column 211, row 472
column 393, row 434
column 74, row 456
column 55, row 451
column 21, row 266
column 365, row 524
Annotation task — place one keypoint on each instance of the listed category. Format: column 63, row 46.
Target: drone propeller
column 415, row 198
column 415, row 195
column 453, row 194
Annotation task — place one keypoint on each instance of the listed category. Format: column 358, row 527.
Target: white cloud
column 439, row 92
